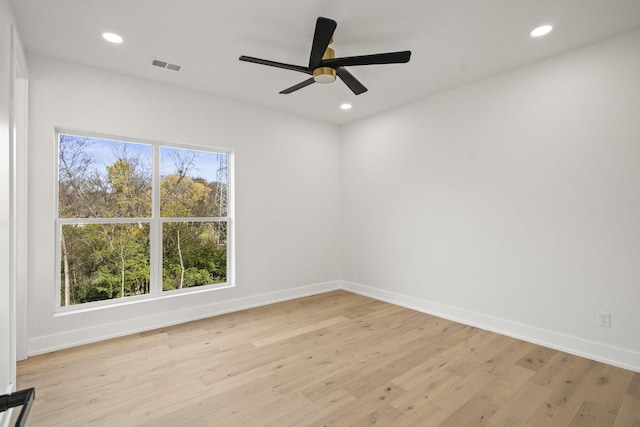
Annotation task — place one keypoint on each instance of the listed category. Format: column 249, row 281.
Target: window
column 140, row 218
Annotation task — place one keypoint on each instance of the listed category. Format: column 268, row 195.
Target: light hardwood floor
column 336, row 359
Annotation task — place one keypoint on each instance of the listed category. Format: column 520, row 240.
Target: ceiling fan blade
column 298, row 86
column 321, row 38
column 275, row 64
column 378, row 58
column 351, row 82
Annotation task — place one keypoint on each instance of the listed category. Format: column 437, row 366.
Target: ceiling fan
column 323, row 65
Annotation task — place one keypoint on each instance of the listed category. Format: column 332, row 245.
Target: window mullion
column 156, row 233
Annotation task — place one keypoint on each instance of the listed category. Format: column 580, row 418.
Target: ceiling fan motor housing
column 325, row 74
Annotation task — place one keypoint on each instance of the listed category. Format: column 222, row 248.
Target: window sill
column 120, row 302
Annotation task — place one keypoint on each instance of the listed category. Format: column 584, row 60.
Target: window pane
column 192, row 183
column 194, row 254
column 103, row 261
column 99, row 178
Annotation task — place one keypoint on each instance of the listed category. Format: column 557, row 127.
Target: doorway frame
column 19, row 213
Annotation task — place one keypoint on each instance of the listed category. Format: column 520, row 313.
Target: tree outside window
column 120, row 203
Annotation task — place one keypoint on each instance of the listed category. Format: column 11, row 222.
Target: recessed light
column 346, row 106
column 112, row 37
column 542, row 30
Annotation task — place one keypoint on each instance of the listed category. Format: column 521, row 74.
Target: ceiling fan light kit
column 324, row 75
column 324, row 67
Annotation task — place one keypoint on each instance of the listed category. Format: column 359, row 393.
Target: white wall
column 512, row 203
column 7, row 348
column 287, row 194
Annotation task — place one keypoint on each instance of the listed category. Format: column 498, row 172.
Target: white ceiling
column 454, row 42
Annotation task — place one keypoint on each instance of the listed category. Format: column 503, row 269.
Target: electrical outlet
column 604, row 319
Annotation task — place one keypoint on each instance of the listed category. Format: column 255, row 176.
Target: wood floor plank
column 567, row 395
column 537, row 358
column 335, row 359
column 592, row 414
column 507, row 384
column 610, row 387
column 309, row 414
column 384, row 415
column 271, row 412
column 634, row 386
column 506, row 359
column 363, row 407
column 464, row 390
column 479, row 352
column 475, row 412
column 283, row 336
column 426, row 392
column 518, row 410
column 551, row 374
column 433, row 362
column 428, row 415
column 629, row 414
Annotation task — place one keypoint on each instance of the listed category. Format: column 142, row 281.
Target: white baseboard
column 569, row 344
column 58, row 341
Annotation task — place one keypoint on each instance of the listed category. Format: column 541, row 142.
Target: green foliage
column 194, row 254
column 105, row 261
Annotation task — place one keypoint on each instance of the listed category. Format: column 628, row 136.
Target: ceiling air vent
column 164, row 64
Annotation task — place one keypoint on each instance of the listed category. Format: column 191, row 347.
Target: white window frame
column 155, row 222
